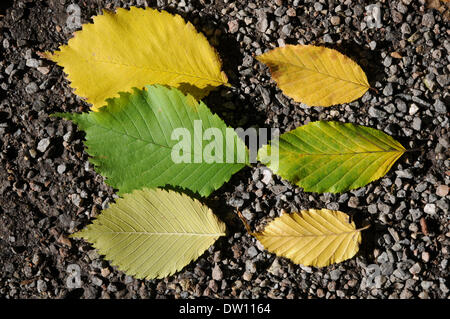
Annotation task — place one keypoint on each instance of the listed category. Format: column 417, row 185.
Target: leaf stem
column 244, row 221
column 363, row 228
column 416, row 149
column 374, row 89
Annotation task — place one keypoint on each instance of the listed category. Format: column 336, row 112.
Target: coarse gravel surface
column 49, row 190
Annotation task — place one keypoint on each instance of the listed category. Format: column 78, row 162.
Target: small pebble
column 33, row 63
column 61, row 168
column 335, row 20
column 31, row 88
column 442, row 190
column 41, row 286
column 430, row 209
column 425, row 256
column 217, row 273
column 43, row 145
column 233, row 26
column 413, row 109
column 318, row 6
column 105, row 272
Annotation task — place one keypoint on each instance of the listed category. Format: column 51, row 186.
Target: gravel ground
column 49, row 190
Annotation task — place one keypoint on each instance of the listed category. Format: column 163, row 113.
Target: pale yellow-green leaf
column 153, row 233
column 314, row 75
column 312, row 237
column 137, row 47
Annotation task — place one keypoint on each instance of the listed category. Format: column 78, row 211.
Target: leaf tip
column 48, row 55
column 77, row 235
column 225, row 79
column 66, row 116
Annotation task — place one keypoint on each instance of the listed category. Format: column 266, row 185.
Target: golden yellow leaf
column 312, row 237
column 316, row 76
column 137, row 47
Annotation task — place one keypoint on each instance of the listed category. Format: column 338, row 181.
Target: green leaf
column 331, row 156
column 130, row 142
column 153, row 233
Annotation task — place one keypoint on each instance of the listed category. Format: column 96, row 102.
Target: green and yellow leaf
column 331, row 156
column 312, row 237
column 131, row 142
column 153, row 233
column 136, row 47
column 316, row 76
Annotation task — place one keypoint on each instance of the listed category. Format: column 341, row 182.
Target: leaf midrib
column 169, row 147
column 156, row 70
column 157, row 233
column 343, row 154
column 325, row 74
column 321, row 235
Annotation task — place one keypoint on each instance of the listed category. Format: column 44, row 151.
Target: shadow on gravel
column 5, row 4
column 369, row 239
column 369, row 236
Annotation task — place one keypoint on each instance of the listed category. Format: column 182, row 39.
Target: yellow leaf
column 316, row 76
column 312, row 237
column 137, row 47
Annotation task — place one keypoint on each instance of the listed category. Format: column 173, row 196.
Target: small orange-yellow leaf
column 312, row 237
column 138, row 47
column 316, row 76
